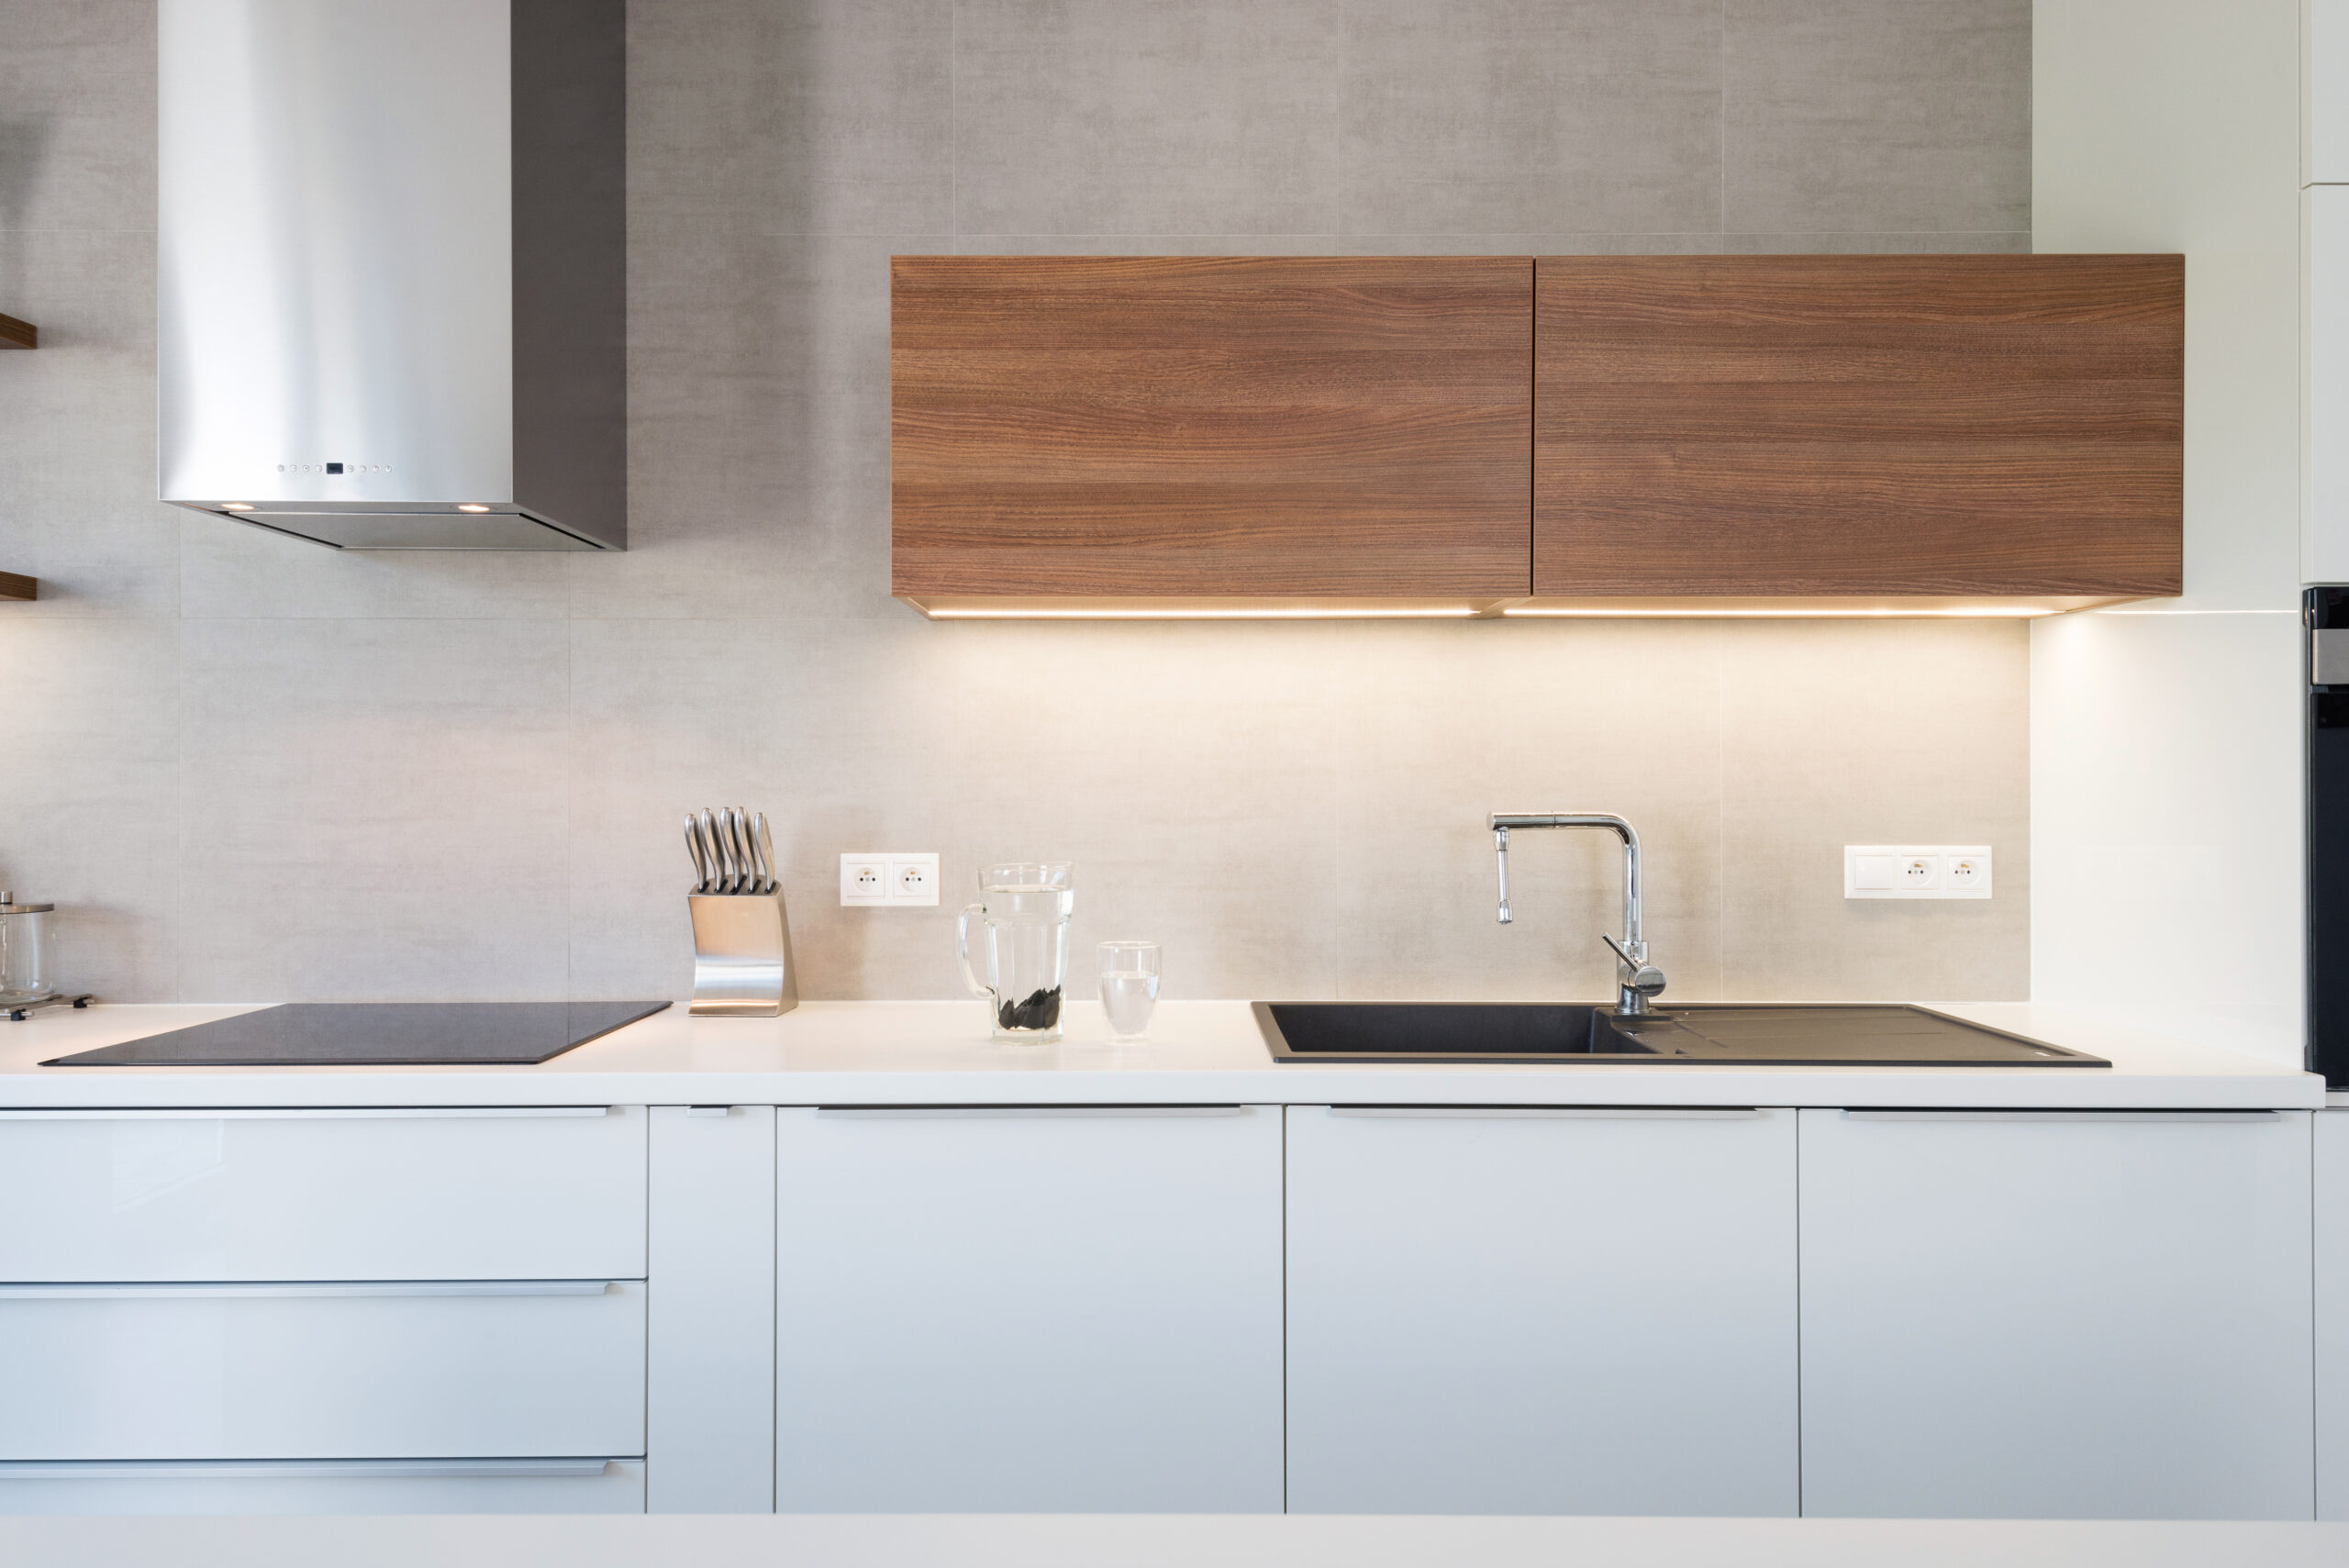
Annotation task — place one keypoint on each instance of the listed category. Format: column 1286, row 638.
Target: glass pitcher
column 1025, row 909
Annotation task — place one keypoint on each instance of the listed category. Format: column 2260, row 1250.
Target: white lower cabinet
column 501, row 1369
column 328, row 1486
column 1515, row 1311
column 2331, row 1314
column 709, row 1357
column 1046, row 1309
column 333, row 1192
column 2037, row 1315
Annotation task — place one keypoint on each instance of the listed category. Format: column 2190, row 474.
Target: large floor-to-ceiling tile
column 77, row 494
column 1877, row 115
column 1872, row 732
column 89, row 792
column 1447, row 723
column 792, row 116
column 1130, row 116
column 1495, row 115
column 759, row 413
column 373, row 809
column 77, row 121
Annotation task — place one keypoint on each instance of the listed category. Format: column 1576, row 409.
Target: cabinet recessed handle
column 291, row 1469
column 1554, row 1113
column 2061, row 1115
column 191, row 1290
column 969, row 1113
column 322, row 1113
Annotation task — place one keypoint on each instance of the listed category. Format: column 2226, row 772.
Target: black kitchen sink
column 1862, row 1034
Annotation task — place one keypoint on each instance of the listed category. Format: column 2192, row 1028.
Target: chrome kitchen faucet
column 1638, row 979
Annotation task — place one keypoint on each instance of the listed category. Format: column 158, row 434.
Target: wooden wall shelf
column 16, row 334
column 12, row 586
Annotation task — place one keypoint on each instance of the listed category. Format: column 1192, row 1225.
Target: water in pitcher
column 1024, row 911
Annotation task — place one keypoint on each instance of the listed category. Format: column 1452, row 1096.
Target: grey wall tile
column 1131, row 116
column 1491, row 115
column 77, row 482
column 668, row 717
column 1928, row 242
column 373, row 809
column 1877, row 115
column 1860, row 732
column 89, row 792
column 792, row 116
column 759, row 410
column 77, row 122
column 1451, row 722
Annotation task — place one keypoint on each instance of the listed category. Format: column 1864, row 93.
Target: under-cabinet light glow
column 235, row 506
column 1460, row 613
column 470, row 506
column 1975, row 613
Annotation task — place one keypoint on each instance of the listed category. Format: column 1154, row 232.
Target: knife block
column 742, row 964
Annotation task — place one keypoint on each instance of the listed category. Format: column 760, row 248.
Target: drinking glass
column 1024, row 909
column 1129, row 987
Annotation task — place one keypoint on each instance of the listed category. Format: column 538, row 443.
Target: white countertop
column 1143, row 1541
column 1201, row 1053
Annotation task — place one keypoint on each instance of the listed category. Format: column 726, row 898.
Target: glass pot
column 1023, row 911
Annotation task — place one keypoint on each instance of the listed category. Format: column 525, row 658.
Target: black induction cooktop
column 375, row 1034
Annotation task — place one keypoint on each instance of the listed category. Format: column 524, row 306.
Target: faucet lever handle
column 1643, row 977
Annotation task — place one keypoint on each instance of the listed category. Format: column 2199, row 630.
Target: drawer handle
column 1554, row 1113
column 323, row 1113
column 974, row 1113
column 2192, row 1117
column 291, row 1469
column 177, row 1291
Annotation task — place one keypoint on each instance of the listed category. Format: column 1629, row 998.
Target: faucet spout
column 1639, row 979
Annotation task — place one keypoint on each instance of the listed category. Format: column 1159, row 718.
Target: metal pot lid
column 8, row 906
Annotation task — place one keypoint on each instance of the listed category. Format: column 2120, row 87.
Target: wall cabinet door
column 2331, row 1314
column 1903, row 427
column 1028, row 1311
column 1531, row 1312
column 2047, row 1315
column 1256, row 429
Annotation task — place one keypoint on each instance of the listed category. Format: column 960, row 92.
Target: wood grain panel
column 1900, row 426
column 1149, row 427
column 16, row 334
column 14, row 586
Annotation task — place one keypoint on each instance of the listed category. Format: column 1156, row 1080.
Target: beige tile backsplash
column 248, row 768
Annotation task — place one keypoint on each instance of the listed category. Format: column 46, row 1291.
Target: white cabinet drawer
column 326, row 1487
column 522, row 1193
column 513, row 1369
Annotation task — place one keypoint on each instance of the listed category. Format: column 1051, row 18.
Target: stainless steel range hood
column 393, row 268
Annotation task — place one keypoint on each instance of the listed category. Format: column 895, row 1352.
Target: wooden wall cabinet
column 1511, row 434
column 1930, row 430
column 1086, row 432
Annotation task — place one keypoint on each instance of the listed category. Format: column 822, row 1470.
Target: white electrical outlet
column 888, row 881
column 864, row 879
column 913, row 879
column 1916, row 871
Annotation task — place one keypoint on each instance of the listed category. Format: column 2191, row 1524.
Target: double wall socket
column 890, row 881
column 1916, row 871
